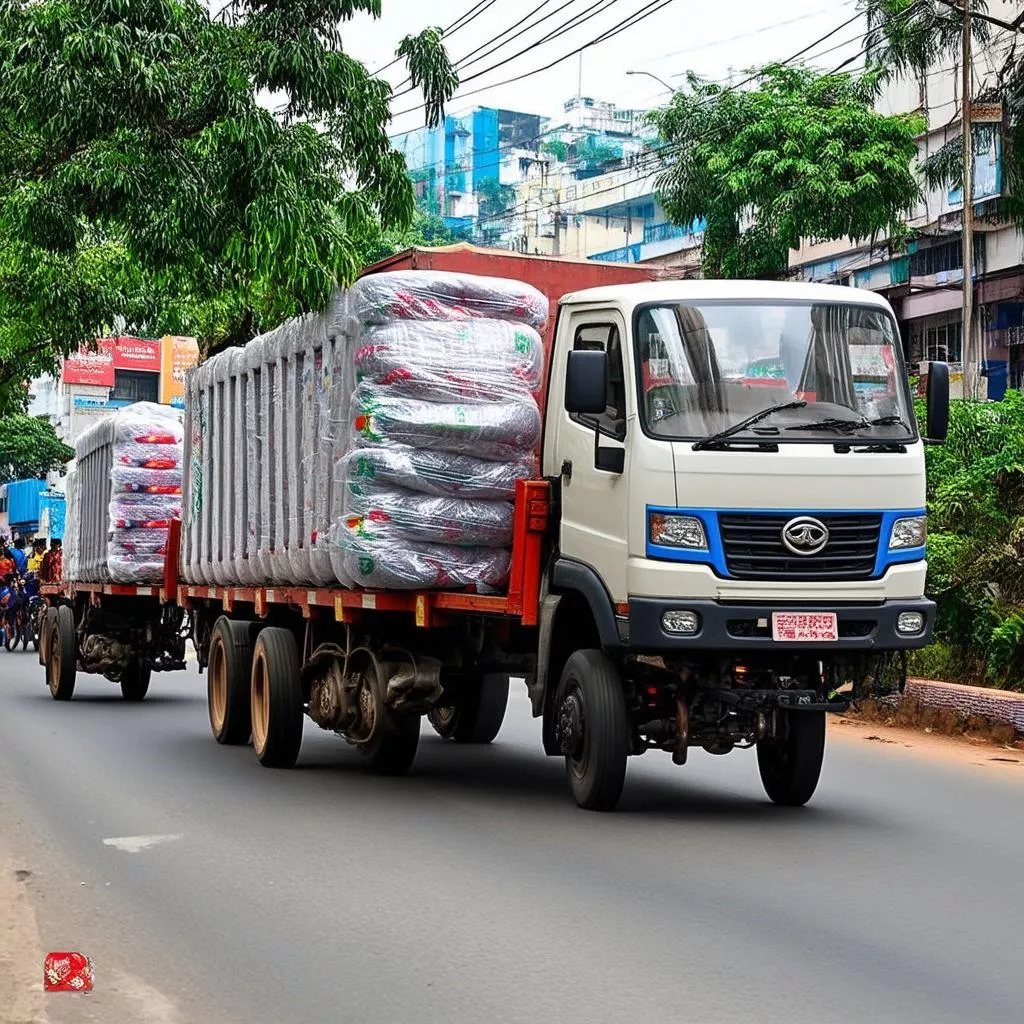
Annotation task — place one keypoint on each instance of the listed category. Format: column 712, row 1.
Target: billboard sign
column 91, row 366
column 137, row 354
column 179, row 355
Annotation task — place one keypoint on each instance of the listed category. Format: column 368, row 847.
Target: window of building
column 937, row 339
column 604, row 337
column 135, row 386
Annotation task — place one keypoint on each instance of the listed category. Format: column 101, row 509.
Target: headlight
column 909, row 622
column 909, row 533
column 678, row 531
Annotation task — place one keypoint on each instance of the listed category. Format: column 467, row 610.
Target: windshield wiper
column 848, row 426
column 712, row 439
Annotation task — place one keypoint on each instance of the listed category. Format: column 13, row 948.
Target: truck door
column 594, row 506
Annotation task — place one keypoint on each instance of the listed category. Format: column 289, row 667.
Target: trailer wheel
column 592, row 729
column 62, row 666
column 790, row 763
column 393, row 750
column 45, row 632
column 276, row 699
column 478, row 718
column 228, row 681
column 135, row 682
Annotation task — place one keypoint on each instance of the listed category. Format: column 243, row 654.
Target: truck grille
column 754, row 549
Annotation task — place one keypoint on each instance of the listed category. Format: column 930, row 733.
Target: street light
column 660, row 81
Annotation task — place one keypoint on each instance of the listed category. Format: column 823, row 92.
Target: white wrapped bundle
column 70, row 540
column 147, row 456
column 441, row 295
column 480, row 360
column 503, row 430
column 441, row 474
column 458, row 521
column 374, row 557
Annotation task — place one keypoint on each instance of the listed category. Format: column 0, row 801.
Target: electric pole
column 971, row 359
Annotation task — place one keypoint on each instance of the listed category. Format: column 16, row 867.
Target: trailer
column 702, row 561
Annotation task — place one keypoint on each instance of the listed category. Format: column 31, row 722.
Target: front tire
column 277, row 701
column 790, row 762
column 228, row 681
column 478, row 717
column 592, row 729
column 62, row 667
column 135, row 682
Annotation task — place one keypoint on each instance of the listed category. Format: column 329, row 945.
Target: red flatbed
column 428, row 606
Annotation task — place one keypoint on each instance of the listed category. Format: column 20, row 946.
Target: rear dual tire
column 229, row 680
column 62, row 660
column 276, row 699
column 477, row 718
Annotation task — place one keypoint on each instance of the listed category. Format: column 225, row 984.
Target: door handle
column 567, row 470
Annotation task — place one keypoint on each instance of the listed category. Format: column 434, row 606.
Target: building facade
column 923, row 279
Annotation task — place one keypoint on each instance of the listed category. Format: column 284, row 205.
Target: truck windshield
column 835, row 370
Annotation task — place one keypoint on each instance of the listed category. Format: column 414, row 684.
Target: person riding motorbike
column 19, row 556
column 35, row 560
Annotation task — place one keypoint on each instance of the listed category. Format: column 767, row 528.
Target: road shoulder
column 21, row 956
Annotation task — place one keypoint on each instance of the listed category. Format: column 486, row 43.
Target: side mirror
column 586, row 382
column 938, row 402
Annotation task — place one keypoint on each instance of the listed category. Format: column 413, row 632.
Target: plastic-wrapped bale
column 478, row 361
column 71, row 527
column 375, row 557
column 443, row 295
column 94, row 472
column 436, row 473
column 147, row 451
column 463, row 522
column 498, row 431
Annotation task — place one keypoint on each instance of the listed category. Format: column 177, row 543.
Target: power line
column 668, row 148
column 651, row 7
column 566, row 26
column 460, row 22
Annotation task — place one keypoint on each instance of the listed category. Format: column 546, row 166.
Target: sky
column 713, row 39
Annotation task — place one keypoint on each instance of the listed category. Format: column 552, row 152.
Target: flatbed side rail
column 430, row 607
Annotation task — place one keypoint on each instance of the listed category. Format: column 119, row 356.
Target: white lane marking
column 135, row 844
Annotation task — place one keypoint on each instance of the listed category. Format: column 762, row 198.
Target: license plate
column 805, row 627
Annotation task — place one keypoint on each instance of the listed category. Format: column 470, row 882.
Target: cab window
column 605, row 337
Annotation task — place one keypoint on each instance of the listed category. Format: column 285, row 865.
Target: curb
column 996, row 705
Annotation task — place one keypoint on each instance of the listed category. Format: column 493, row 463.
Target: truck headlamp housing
column 909, row 533
column 678, row 531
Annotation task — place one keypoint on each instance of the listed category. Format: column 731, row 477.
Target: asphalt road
column 473, row 890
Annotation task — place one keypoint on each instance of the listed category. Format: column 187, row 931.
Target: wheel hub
column 569, row 726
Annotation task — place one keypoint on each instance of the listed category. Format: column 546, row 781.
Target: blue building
column 451, row 164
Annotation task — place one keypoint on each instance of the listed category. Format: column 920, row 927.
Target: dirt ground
column 1003, row 759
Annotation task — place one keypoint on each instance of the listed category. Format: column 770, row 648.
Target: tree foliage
column 494, row 199
column 427, row 230
column 29, row 448
column 165, row 168
column 976, row 541
column 802, row 156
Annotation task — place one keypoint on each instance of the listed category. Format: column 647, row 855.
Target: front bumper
column 731, row 626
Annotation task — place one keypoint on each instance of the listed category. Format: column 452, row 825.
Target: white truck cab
column 740, row 491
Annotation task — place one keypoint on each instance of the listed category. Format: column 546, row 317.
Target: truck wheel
column 135, row 682
column 62, row 667
column 478, row 718
column 276, row 699
column 393, row 750
column 228, row 681
column 45, row 632
column 790, row 763
column 592, row 729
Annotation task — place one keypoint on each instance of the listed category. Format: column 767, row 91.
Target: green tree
column 494, row 199
column 427, row 230
column 29, row 448
column 803, row 155
column 164, row 168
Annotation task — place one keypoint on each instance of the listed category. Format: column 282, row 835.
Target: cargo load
column 123, row 493
column 375, row 445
